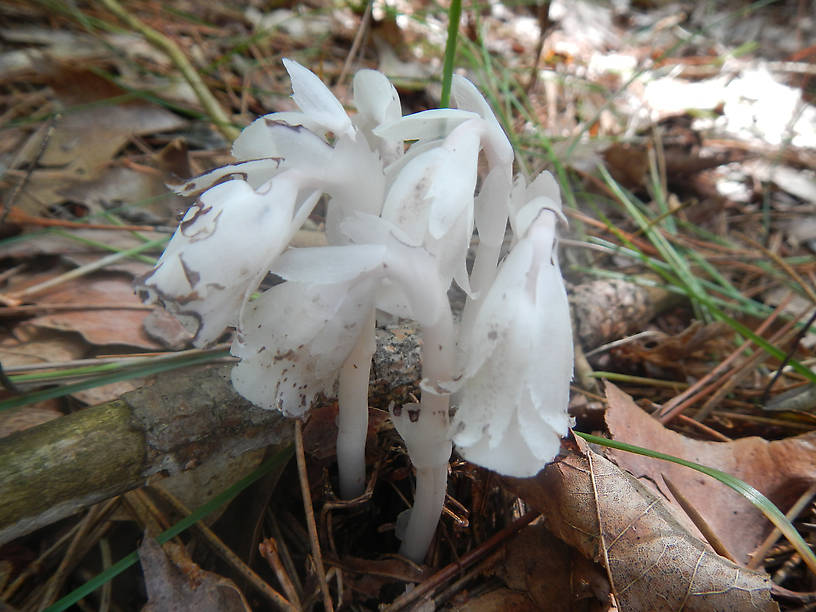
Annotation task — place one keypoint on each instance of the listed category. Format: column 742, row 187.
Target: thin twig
column 801, row 334
column 783, row 336
column 37, row 566
column 269, row 551
column 782, row 264
column 15, row 215
column 70, row 557
column 355, row 45
column 86, row 269
column 446, row 573
column 227, row 555
column 8, row 205
column 699, row 522
column 677, row 404
column 310, row 520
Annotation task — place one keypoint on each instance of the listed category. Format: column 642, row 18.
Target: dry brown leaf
column 179, row 584
column 87, row 138
column 31, row 345
column 116, row 326
column 655, row 564
column 781, row 470
column 22, row 418
column 542, row 567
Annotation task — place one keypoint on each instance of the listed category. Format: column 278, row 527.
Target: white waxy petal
column 407, row 204
column 273, row 136
column 256, row 172
column 513, row 397
column 524, row 218
column 555, row 357
column 213, row 260
column 454, row 181
column 509, row 456
column 328, row 265
column 412, row 285
column 468, row 98
column 490, row 210
column 430, row 124
column 377, row 102
column 376, row 98
column 545, row 186
column 316, row 100
column 295, row 338
column 431, row 200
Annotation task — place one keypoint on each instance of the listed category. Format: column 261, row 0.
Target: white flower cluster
column 399, row 224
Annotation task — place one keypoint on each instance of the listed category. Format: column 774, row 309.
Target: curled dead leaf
column 653, row 562
column 781, row 470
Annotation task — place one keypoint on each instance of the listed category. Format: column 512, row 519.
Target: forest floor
column 683, row 136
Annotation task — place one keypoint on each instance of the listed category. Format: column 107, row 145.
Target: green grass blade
column 762, row 503
column 454, row 14
column 677, row 262
column 156, row 366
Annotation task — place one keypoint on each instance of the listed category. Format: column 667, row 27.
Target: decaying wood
column 184, row 419
column 175, row 423
column 52, row 470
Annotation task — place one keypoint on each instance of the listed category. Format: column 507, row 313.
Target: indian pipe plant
column 404, row 197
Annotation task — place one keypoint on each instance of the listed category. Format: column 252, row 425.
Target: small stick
column 40, row 309
column 782, row 336
column 36, row 566
column 355, row 45
column 269, row 550
column 447, row 572
column 8, row 205
column 58, row 578
column 310, row 520
column 713, row 433
column 82, row 270
column 226, row 554
column 679, row 403
column 15, row 215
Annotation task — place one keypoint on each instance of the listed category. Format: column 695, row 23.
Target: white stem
column 428, row 444
column 431, row 485
column 352, row 418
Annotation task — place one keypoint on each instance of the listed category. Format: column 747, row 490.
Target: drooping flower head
column 512, row 398
column 404, row 196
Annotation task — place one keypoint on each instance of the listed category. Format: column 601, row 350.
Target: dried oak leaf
column 653, row 562
column 120, row 324
column 781, row 470
column 552, row 575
